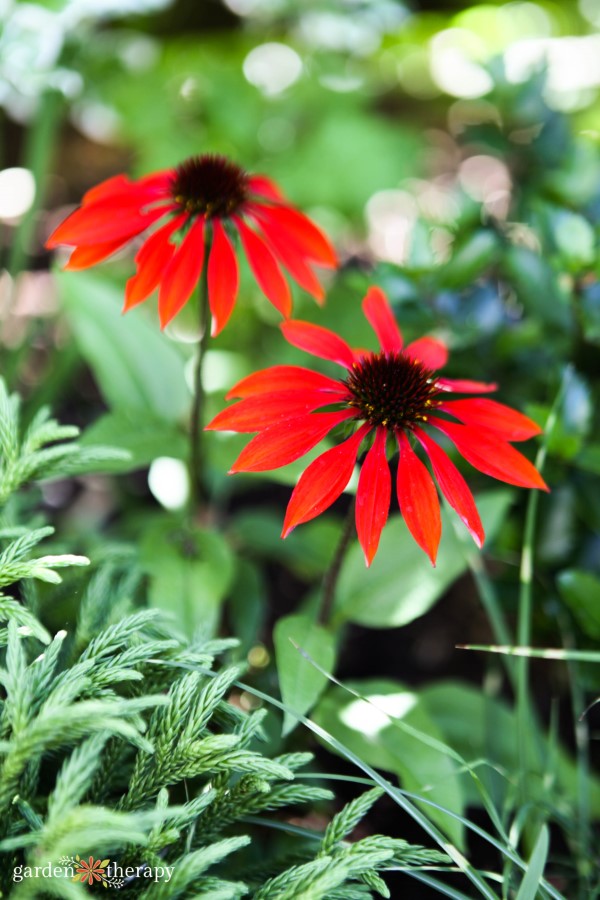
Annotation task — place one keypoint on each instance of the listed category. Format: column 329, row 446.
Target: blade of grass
column 534, row 874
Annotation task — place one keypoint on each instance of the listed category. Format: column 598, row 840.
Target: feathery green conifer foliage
column 117, row 741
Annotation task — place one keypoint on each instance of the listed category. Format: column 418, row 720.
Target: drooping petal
column 256, row 413
column 433, row 354
column 293, row 261
column 152, row 260
column 264, row 187
column 491, row 455
column 510, row 424
column 283, row 378
column 323, row 481
column 110, row 187
column 373, row 496
column 418, row 499
column 265, row 269
column 223, row 278
column 104, row 221
column 286, row 442
column 381, row 319
column 453, row 486
column 297, row 227
column 319, row 341
column 182, row 274
column 147, row 189
column 84, row 257
column 465, row 386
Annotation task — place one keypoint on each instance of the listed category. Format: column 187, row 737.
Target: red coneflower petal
column 182, row 273
column 453, row 486
column 381, row 319
column 265, row 269
column 510, row 424
column 147, row 189
column 373, row 496
column 299, row 228
column 319, row 341
column 286, row 442
column 465, row 386
column 282, row 378
column 293, row 262
column 261, row 185
column 152, row 259
column 104, row 221
column 418, row 499
column 84, row 257
column 256, row 413
column 433, row 354
column 223, row 278
column 491, row 455
column 323, row 481
column 118, row 184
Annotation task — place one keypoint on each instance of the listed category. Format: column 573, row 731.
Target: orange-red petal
column 293, row 261
column 223, row 278
column 453, row 486
column 182, row 273
column 84, row 257
column 256, row 413
column 491, row 455
column 283, row 378
column 319, row 341
column 298, row 228
column 418, row 499
column 265, row 187
column 381, row 319
column 265, row 269
column 152, row 260
column 507, row 422
column 323, row 481
column 465, row 386
column 433, row 354
column 287, row 441
column 373, row 496
column 109, row 219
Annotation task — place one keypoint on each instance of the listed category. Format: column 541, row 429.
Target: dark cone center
column 211, row 185
column 392, row 390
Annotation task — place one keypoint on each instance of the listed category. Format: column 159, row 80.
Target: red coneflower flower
column 395, row 393
column 205, row 197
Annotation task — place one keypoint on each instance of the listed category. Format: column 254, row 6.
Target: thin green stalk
column 37, row 158
column 331, row 576
column 525, row 598
column 196, row 463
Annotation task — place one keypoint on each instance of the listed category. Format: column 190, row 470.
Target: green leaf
column 300, row 682
column 190, row 573
column 537, row 286
column 367, row 728
column 401, row 584
column 535, row 869
column 581, row 592
column 136, row 367
column 470, row 260
column 575, row 239
column 143, row 437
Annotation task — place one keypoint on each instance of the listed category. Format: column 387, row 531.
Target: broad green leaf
column 575, row 239
column 537, row 286
column 190, row 572
column 581, row 592
column 367, row 729
column 401, row 584
column 300, row 682
column 470, row 260
column 481, row 727
column 535, row 869
column 144, row 438
column 307, row 551
column 136, row 367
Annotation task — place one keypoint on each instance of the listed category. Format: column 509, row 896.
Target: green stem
column 37, row 158
column 196, row 463
column 493, row 610
column 525, row 598
column 331, row 576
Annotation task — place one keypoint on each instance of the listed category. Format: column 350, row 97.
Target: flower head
column 392, row 399
column 203, row 201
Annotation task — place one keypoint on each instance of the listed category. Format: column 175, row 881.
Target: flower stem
column 37, row 158
column 524, row 721
column 196, row 463
column 331, row 576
